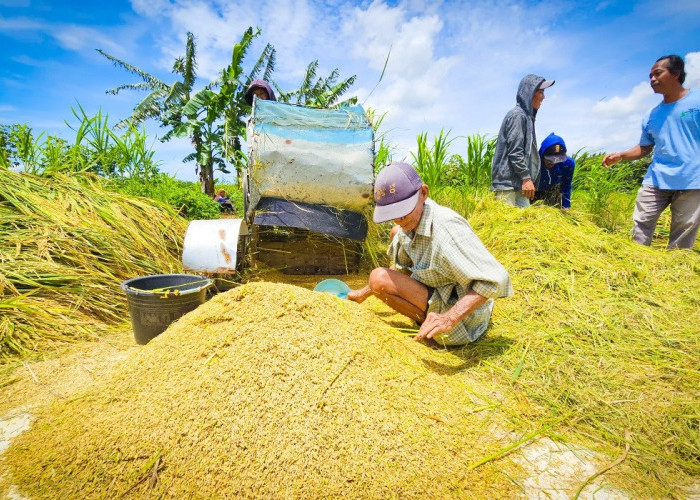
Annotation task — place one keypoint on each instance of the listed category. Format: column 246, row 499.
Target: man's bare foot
column 360, row 295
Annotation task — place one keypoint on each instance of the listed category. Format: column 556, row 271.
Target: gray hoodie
column 516, row 157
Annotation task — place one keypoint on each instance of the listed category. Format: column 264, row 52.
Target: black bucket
column 156, row 301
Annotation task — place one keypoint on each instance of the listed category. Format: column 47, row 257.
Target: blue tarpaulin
column 317, row 159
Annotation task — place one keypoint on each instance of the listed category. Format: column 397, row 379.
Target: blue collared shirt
column 674, row 131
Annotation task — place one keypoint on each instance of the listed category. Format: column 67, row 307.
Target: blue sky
column 453, row 64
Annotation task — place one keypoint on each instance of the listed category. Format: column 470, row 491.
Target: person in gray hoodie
column 260, row 89
column 515, row 170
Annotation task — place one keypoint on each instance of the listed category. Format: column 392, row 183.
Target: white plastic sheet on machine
column 317, row 156
column 212, row 245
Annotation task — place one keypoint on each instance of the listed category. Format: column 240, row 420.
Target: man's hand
column 631, row 154
column 435, row 324
column 360, row 295
column 611, row 159
column 528, row 189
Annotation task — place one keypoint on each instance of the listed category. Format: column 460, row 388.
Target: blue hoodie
column 560, row 173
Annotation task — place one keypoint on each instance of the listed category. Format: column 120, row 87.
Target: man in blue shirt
column 554, row 187
column 672, row 131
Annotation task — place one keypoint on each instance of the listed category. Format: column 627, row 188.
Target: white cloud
column 636, row 102
column 15, row 24
column 641, row 97
column 613, row 123
column 69, row 36
column 80, row 38
column 29, row 61
column 573, row 118
column 454, row 64
column 692, row 70
column 415, row 76
column 151, row 8
column 300, row 31
column 16, row 81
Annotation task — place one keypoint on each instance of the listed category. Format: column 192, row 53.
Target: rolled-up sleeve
column 646, row 139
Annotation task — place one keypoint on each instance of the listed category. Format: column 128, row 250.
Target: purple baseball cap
column 396, row 192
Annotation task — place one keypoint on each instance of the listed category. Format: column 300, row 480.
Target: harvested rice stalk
column 65, row 245
column 602, row 334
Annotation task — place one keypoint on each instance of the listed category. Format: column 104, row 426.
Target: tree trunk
column 206, row 172
column 208, row 179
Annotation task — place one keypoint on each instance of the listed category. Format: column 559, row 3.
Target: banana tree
column 318, row 91
column 215, row 116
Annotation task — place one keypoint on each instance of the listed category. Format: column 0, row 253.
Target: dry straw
column 65, row 245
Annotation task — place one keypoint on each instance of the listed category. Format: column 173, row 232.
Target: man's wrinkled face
column 660, row 78
column 410, row 221
column 537, row 98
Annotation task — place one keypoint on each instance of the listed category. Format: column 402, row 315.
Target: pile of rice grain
column 268, row 390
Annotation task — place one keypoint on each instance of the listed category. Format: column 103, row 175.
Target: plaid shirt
column 444, row 253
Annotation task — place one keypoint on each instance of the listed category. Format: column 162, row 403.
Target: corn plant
column 96, row 149
column 601, row 192
column 432, row 162
column 21, row 148
column 477, row 172
column 382, row 153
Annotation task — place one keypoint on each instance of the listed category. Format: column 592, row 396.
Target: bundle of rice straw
column 65, row 245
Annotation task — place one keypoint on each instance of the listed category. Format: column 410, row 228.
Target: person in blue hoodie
column 515, row 169
column 557, row 173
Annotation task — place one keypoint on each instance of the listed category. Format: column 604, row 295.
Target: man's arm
column 436, row 323
column 360, row 295
column 515, row 144
column 634, row 153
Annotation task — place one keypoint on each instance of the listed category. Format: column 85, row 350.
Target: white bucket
column 212, row 245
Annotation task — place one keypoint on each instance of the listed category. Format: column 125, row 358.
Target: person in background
column 554, row 187
column 260, row 89
column 224, row 201
column 515, row 170
column 443, row 277
column 672, row 131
